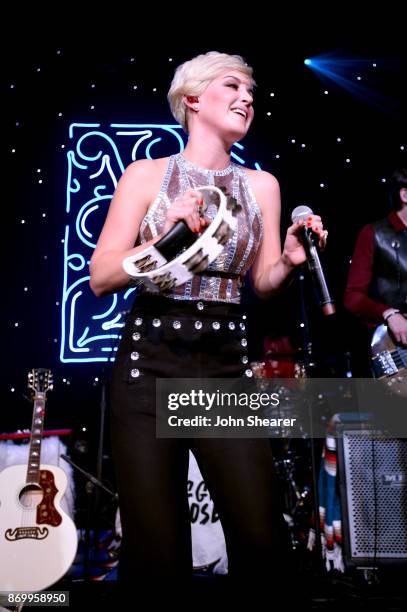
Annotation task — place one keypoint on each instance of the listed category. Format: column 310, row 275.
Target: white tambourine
column 173, row 260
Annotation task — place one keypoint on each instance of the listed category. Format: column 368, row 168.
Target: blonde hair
column 192, row 78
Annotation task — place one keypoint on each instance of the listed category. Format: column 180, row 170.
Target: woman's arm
column 134, row 193
column 272, row 268
column 126, row 212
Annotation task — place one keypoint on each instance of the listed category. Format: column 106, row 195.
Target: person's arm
column 356, row 297
column 133, row 195
column 127, row 209
column 272, row 269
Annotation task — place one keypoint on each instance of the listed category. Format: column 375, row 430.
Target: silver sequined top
column 239, row 252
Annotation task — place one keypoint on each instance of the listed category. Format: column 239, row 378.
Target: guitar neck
column 34, row 457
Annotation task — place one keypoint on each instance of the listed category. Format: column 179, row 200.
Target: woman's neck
column 207, row 151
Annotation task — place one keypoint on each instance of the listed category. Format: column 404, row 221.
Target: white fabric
column 208, row 541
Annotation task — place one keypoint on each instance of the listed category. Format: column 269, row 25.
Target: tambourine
column 178, row 255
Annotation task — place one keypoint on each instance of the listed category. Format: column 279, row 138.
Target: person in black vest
column 376, row 290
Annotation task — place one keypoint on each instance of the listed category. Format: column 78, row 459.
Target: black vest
column 389, row 280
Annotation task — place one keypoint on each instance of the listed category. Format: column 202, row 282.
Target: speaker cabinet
column 372, row 473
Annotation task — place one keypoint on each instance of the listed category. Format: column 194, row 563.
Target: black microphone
column 301, row 213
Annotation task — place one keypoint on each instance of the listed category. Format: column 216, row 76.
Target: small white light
column 40, row 181
column 383, row 180
column 55, row 340
column 302, row 325
column 38, row 69
column 293, row 140
column 268, row 114
column 62, row 146
column 63, row 240
column 303, row 146
column 347, row 160
column 64, row 380
column 96, row 379
column 25, row 288
column 154, row 88
column 59, row 114
column 277, row 156
column 45, row 256
column 170, row 59
column 16, row 324
column 132, row 59
column 272, row 95
column 134, row 86
column 350, row 261
column 92, row 107
column 83, row 428
column 322, row 184
column 57, row 303
column 326, row 92
column 44, row 215
column 93, row 85
column 359, row 78
column 339, row 140
column 12, row 86
column 12, row 389
column 22, row 220
column 59, row 52
column 13, row 150
column 38, row 169
column 374, row 65
column 401, row 147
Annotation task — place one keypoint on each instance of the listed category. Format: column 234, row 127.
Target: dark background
column 44, row 77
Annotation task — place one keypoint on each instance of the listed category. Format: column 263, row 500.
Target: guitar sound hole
column 30, row 496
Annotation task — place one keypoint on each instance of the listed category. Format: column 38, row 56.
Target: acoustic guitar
column 38, row 540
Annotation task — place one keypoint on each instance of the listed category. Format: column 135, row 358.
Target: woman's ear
column 191, row 102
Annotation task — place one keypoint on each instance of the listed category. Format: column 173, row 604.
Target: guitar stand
column 92, row 481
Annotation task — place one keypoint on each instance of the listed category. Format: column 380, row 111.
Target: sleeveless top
column 224, row 277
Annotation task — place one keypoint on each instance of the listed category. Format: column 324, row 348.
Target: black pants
column 152, row 473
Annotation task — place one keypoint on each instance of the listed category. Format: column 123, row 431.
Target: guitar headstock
column 40, row 380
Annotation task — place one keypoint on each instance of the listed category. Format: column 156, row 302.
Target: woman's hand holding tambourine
column 188, row 247
column 189, row 209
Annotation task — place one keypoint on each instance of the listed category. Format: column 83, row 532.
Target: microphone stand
column 309, row 364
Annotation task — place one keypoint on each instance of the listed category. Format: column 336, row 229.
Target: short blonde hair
column 192, row 78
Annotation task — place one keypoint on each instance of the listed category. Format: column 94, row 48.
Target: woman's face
column 227, row 103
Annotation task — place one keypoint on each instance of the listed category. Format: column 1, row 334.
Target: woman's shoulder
column 147, row 172
column 265, row 188
column 261, row 179
column 147, row 167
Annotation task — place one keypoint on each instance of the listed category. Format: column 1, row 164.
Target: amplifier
column 372, row 474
